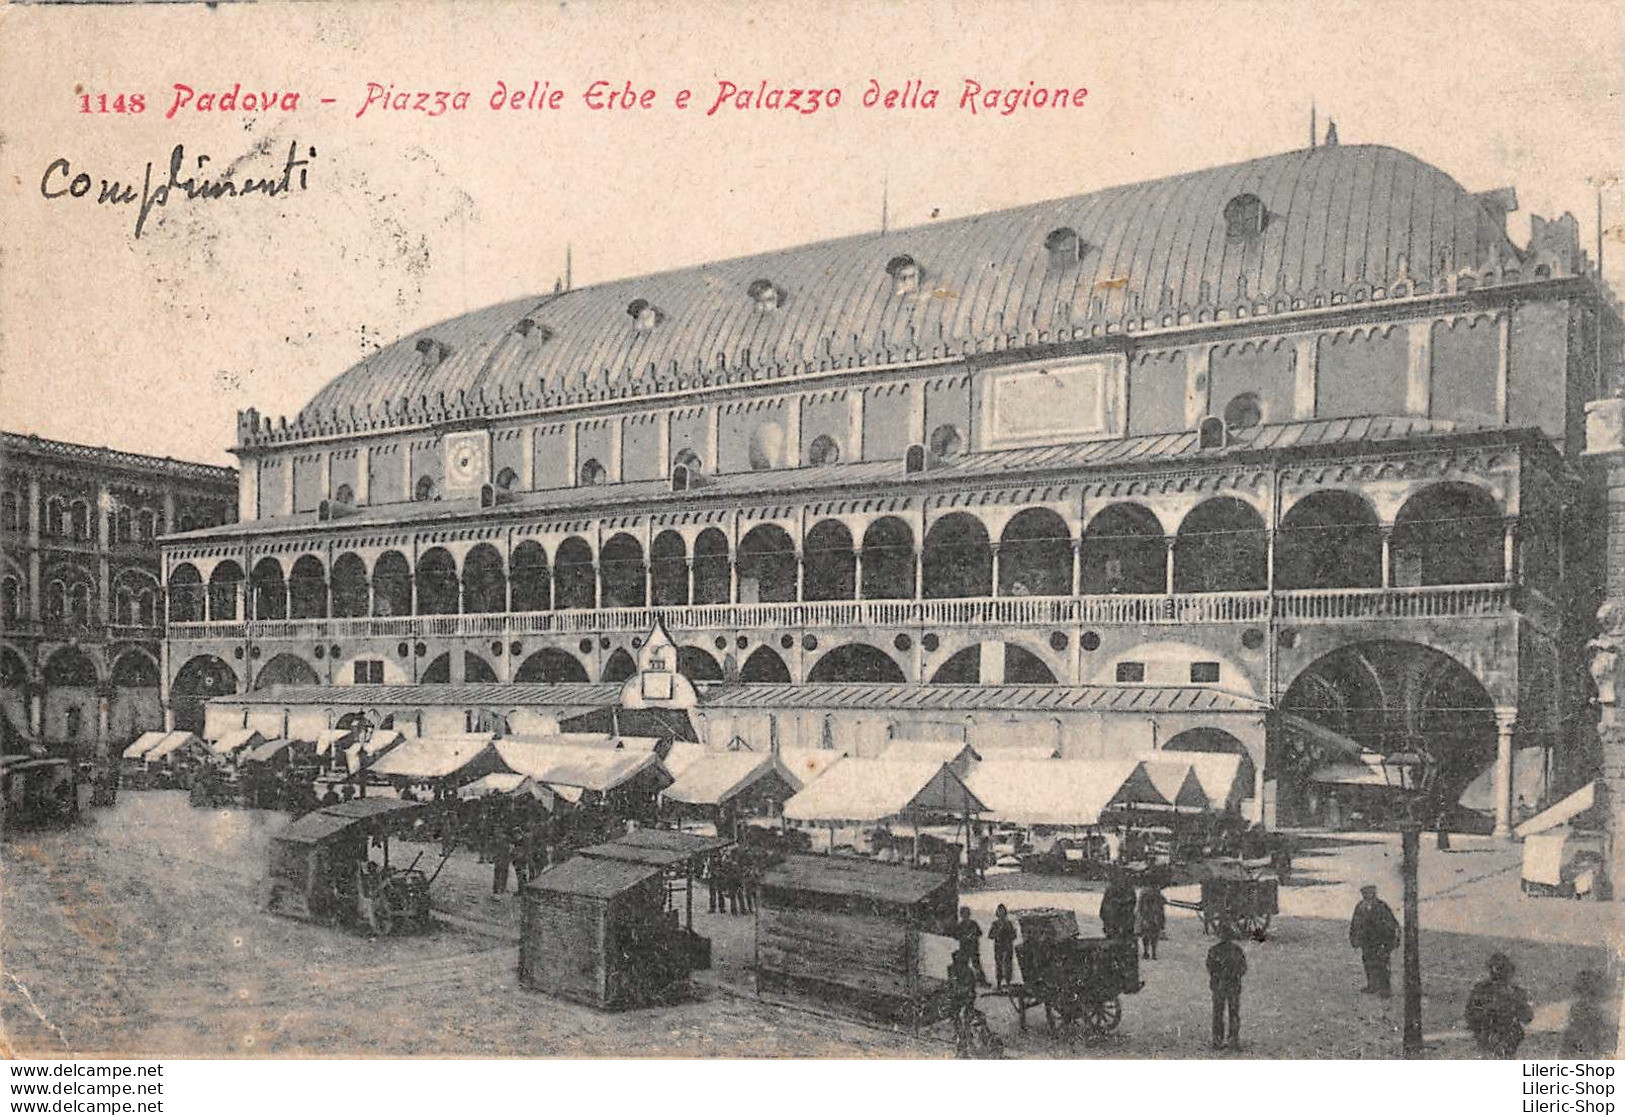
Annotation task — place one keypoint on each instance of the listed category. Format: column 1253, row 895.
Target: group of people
column 1134, row 914
column 731, row 880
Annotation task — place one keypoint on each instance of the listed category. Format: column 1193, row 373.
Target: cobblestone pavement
column 138, row 933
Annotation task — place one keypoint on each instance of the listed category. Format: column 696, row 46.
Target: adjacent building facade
column 1294, row 433
column 81, row 583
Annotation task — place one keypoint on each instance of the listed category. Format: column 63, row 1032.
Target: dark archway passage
column 856, row 662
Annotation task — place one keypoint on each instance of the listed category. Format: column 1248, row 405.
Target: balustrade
column 1154, row 609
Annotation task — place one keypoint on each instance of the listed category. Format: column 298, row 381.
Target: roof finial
column 885, row 202
column 568, row 254
column 1314, row 136
column 1331, row 134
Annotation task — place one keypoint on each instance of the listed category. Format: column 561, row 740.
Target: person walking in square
column 1150, row 919
column 1003, row 935
column 969, row 935
column 1497, row 1010
column 1226, row 966
column 1375, row 932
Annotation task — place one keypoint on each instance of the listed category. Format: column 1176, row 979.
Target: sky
column 154, row 344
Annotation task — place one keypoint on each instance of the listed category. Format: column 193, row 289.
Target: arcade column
column 1605, row 450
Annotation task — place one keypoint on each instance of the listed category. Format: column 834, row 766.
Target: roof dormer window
column 905, row 274
column 766, row 295
column 1243, row 216
column 533, row 330
column 1064, row 246
column 644, row 314
column 432, row 351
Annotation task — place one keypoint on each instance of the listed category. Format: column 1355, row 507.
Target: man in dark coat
column 1497, row 1009
column 969, row 935
column 1117, row 909
column 1374, row 931
column 1226, row 965
column 1003, row 935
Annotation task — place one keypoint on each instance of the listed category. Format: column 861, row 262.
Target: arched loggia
column 668, row 570
column 888, row 560
column 437, row 588
column 1221, row 547
column 307, row 589
column 624, row 577
column 1124, row 551
column 957, row 559
column 1449, row 534
column 1329, row 539
column 1035, row 555
column 767, row 565
column 831, row 565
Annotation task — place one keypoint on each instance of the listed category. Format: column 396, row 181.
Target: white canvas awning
column 1219, row 775
column 600, row 769
column 719, row 776
column 804, row 765
column 331, row 739
column 1162, row 783
column 233, row 742
column 1060, row 792
column 1561, row 813
column 432, row 758
column 381, row 741
column 175, row 744
column 145, row 742
column 220, row 719
column 866, row 790
column 506, row 782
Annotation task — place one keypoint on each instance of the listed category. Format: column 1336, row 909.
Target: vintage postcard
column 913, row 530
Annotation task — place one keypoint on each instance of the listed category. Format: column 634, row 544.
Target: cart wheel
column 1103, row 1016
column 1068, row 1005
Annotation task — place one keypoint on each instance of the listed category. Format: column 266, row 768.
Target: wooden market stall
column 679, row 855
column 596, row 931
column 724, row 787
column 854, row 933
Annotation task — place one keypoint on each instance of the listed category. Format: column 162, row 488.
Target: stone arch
column 134, row 667
column 1329, row 539
column 856, row 662
column 698, row 664
column 831, row 565
column 186, row 594
column 70, row 666
column 1124, row 551
column 620, row 666
column 477, row 670
column 946, row 441
column 622, row 573
column 767, row 557
column 963, row 667
column 575, row 580
column 552, row 666
column 285, row 669
column 668, row 570
column 1217, row 741
column 270, row 592
column 438, row 592
column 307, row 588
column 824, row 450
column 531, row 582
column 713, row 572
column 225, row 590
column 764, row 666
column 592, row 473
column 1021, row 667
column 391, row 585
column 485, row 582
column 202, row 677
column 1035, row 555
column 888, row 560
column 438, row 671
column 957, row 558
column 1449, row 534
column 1389, row 696
column 350, row 593
column 1221, row 547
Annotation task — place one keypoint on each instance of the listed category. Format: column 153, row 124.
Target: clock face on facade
column 465, row 460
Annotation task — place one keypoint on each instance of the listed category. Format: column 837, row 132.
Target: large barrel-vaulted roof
column 1334, row 220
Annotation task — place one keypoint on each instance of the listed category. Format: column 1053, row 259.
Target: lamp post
column 1410, row 840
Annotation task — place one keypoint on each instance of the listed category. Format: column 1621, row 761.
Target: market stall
column 858, row 934
column 625, row 783
column 230, row 743
column 680, row 856
column 725, row 787
column 443, row 761
column 885, row 792
column 596, row 931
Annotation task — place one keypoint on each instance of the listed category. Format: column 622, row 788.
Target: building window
column 824, row 450
column 10, row 599
column 1243, row 412
column 905, row 274
column 345, row 494
column 147, row 524
column 946, row 442
column 425, row 489
column 1243, row 216
column 369, row 671
column 79, row 517
column 1130, row 672
column 1205, row 673
column 592, row 473
column 8, row 511
column 506, row 479
column 53, row 517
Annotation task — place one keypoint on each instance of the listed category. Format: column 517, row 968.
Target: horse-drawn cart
column 1237, row 899
column 1077, row 980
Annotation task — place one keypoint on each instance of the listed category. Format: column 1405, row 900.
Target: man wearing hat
column 1498, row 1009
column 1374, row 931
column 1226, row 965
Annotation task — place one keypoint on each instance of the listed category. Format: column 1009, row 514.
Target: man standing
column 969, row 935
column 1497, row 1010
column 1003, row 935
column 1374, row 931
column 1117, row 908
column 1226, row 965
column 501, row 860
column 1150, row 919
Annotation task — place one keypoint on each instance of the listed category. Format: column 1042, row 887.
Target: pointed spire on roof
column 1331, row 134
